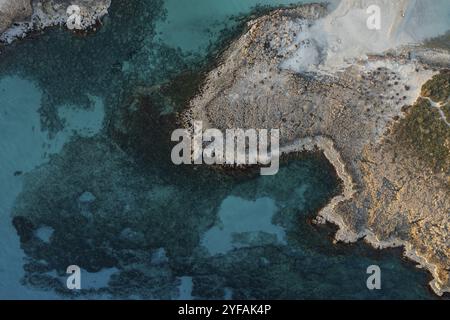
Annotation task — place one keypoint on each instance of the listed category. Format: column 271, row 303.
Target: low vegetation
column 423, row 130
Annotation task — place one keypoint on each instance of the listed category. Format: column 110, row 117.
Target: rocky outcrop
column 19, row 17
column 13, row 11
column 390, row 148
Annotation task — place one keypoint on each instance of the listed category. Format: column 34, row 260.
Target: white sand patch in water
column 89, row 280
column 44, row 233
column 185, row 288
column 242, row 217
column 84, row 122
column 25, row 146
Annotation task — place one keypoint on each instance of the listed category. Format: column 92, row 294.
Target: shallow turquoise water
column 193, row 25
column 143, row 203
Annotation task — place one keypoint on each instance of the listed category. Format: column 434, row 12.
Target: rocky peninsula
column 381, row 120
column 364, row 127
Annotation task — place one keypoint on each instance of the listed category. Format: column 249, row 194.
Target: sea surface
column 86, row 178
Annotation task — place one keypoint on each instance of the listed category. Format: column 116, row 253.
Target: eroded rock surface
column 13, row 11
column 391, row 148
column 19, row 17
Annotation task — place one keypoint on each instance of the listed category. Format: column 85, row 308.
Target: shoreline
column 344, row 234
column 335, row 156
column 349, row 117
column 45, row 14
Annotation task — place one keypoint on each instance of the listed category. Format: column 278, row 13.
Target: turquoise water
column 93, row 121
column 194, row 25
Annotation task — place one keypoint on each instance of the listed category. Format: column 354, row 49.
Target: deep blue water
column 91, row 115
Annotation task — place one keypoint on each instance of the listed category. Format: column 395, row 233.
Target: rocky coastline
column 389, row 146
column 382, row 122
column 19, row 18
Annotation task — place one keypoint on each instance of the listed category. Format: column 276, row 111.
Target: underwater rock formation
column 390, row 147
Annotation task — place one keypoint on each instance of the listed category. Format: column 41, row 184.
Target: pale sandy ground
column 343, row 36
